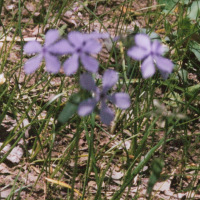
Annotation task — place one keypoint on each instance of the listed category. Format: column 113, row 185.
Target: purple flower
column 80, row 45
column 121, row 100
column 52, row 62
column 150, row 52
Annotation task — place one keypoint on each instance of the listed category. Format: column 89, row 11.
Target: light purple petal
column 87, row 82
column 61, row 47
column 92, row 47
column 32, row 47
column 115, row 39
column 33, row 64
column 51, row 37
column 76, row 38
column 121, row 100
column 110, row 78
column 164, row 64
column 148, row 68
column 71, row 65
column 98, row 93
column 137, row 53
column 143, row 41
column 157, row 48
column 52, row 63
column 164, row 74
column 86, row 107
column 89, row 63
column 106, row 114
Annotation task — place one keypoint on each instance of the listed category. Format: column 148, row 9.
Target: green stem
column 76, row 159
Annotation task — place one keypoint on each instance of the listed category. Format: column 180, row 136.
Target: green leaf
column 70, row 108
column 182, row 1
column 193, row 10
column 175, row 97
column 157, row 166
column 195, row 48
column 194, row 88
column 62, row 29
column 169, row 5
column 183, row 75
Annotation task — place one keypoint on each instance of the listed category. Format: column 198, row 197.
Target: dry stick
column 63, row 184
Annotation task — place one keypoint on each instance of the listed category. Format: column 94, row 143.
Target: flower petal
column 148, row 68
column 86, row 107
column 137, row 53
column 109, row 79
column 91, row 47
column 143, row 41
column 121, row 100
column 51, row 37
column 157, row 48
column 52, row 63
column 164, row 64
column 32, row 47
column 164, row 74
column 106, row 114
column 33, row 64
column 76, row 38
column 61, row 47
column 87, row 82
column 89, row 63
column 71, row 65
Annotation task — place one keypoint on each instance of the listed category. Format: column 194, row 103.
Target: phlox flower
column 80, row 46
column 150, row 53
column 52, row 62
column 121, row 100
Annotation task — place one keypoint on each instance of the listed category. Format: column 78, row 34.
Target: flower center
column 102, row 96
column 44, row 50
column 78, row 50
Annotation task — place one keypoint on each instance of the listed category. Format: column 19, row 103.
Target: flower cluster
column 81, row 46
column 150, row 53
column 121, row 100
column 52, row 62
